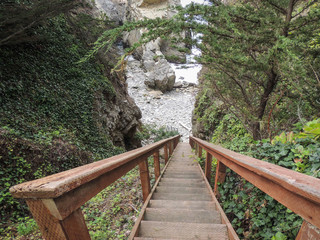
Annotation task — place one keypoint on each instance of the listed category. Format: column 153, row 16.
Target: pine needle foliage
column 257, row 52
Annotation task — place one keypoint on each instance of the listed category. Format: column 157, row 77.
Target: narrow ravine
column 171, row 109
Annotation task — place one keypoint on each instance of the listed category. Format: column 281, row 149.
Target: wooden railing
column 55, row 201
column 298, row 192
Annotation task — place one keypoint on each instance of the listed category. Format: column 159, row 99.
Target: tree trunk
column 255, row 128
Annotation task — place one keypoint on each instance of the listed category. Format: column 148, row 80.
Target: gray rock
column 177, row 84
column 162, row 76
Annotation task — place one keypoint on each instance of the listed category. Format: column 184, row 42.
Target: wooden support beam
column 208, row 166
column 170, row 149
column 220, row 175
column 166, row 157
column 75, row 226
column 156, row 164
column 48, row 218
column 199, row 151
column 308, row 231
column 145, row 178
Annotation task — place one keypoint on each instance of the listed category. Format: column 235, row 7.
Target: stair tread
column 181, row 196
column 182, row 215
column 182, row 204
column 171, row 180
column 182, row 176
column 181, row 189
column 187, row 231
column 182, row 184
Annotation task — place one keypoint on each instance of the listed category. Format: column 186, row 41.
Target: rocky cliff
column 153, row 55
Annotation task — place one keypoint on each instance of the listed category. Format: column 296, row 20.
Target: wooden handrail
column 298, row 192
column 55, row 200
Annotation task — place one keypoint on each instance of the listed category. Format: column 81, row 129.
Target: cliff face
column 57, row 113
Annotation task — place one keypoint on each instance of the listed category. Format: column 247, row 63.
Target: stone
column 162, row 77
column 177, row 84
column 114, row 9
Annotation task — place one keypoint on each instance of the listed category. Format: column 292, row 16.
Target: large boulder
column 114, row 9
column 162, row 76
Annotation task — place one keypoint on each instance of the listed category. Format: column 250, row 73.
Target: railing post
column 165, row 149
column 156, row 164
column 145, row 178
column 51, row 224
column 199, row 151
column 220, row 175
column 170, row 149
column 208, row 166
column 308, row 231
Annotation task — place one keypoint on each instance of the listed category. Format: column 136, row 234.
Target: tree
column 18, row 17
column 257, row 52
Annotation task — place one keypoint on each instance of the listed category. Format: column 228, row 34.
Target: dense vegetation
column 48, row 120
column 261, row 77
column 261, row 57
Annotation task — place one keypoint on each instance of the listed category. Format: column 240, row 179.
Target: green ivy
column 48, row 119
column 254, row 214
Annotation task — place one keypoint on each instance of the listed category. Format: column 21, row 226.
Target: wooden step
column 186, row 176
column 181, row 184
column 180, row 180
column 172, row 204
column 182, row 171
column 187, row 231
column 184, row 190
column 181, row 215
column 177, row 196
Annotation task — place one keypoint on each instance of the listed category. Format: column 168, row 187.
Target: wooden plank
column 68, row 203
column 199, row 151
column 298, row 192
column 145, row 178
column 308, row 232
column 135, row 229
column 49, row 225
column 300, row 183
column 75, row 227
column 302, row 206
column 166, row 157
column 170, row 149
column 208, row 166
column 224, row 219
column 220, row 175
column 57, row 184
column 156, row 164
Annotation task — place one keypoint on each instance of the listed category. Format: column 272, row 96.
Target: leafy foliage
column 47, row 115
column 19, row 17
column 254, row 214
column 151, row 133
column 259, row 56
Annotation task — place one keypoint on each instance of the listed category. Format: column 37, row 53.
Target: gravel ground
column 172, row 109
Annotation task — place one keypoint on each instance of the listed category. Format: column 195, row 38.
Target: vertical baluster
column 156, row 164
column 170, row 149
column 199, row 151
column 208, row 166
column 145, row 178
column 51, row 224
column 165, row 149
column 220, row 175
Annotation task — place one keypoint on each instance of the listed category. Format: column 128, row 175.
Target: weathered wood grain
column 297, row 191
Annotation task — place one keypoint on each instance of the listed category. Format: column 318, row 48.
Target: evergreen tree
column 257, row 53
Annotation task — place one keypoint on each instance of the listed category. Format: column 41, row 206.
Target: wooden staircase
column 182, row 204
